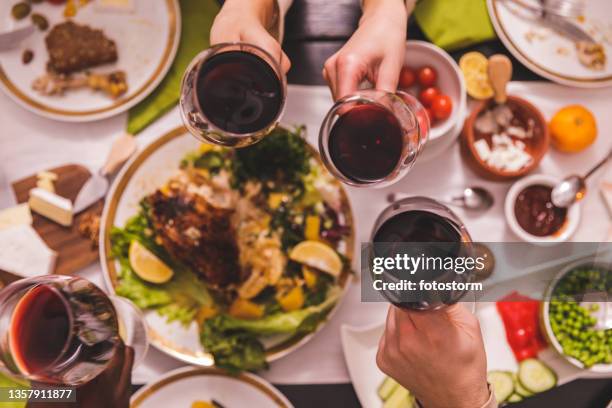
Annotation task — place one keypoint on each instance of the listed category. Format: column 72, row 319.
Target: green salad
column 245, row 243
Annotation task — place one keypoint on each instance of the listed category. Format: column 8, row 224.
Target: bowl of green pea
column 577, row 315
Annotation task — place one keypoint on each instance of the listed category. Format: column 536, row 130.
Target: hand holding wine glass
column 111, row 388
column 375, row 52
column 250, row 22
column 424, row 349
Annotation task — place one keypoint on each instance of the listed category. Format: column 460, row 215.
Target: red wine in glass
column 62, row 330
column 40, row 329
column 239, row 92
column 421, row 228
column 365, row 143
column 417, row 226
column 372, row 138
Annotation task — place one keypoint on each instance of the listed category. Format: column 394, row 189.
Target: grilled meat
column 73, row 47
column 199, row 234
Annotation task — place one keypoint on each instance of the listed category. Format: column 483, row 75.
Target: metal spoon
column 472, row 198
column 573, row 188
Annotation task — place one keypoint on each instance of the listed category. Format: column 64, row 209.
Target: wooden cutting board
column 74, row 251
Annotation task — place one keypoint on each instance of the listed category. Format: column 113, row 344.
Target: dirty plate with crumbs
column 551, row 54
column 130, row 45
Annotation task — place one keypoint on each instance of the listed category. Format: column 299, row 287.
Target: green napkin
column 454, row 24
column 6, row 382
column 197, row 17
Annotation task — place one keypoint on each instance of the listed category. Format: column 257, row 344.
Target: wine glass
column 372, row 138
column 421, row 226
column 64, row 330
column 233, row 94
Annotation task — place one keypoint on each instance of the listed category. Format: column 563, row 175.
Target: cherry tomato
column 407, row 77
column 442, row 106
column 427, row 76
column 428, row 95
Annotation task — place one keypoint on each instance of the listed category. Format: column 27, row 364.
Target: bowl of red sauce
column 533, row 217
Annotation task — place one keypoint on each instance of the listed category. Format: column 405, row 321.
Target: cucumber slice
column 515, row 398
column 521, row 390
column 502, row 383
column 536, row 376
column 400, row 398
column 386, row 388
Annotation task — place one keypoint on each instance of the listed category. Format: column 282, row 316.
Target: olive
column 27, row 56
column 40, row 21
column 21, row 10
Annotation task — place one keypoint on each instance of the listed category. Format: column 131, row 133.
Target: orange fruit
column 573, row 129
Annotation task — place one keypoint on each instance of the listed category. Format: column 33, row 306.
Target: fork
column 564, row 8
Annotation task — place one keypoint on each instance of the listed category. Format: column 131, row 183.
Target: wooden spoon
column 500, row 73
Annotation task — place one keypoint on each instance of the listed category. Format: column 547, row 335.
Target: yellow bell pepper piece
column 310, row 277
column 275, row 200
column 205, row 313
column 245, row 309
column 202, row 404
column 292, row 300
column 206, row 147
column 312, row 228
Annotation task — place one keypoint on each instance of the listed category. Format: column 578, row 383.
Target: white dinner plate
column 548, row 53
column 184, row 386
column 147, row 39
column 144, row 174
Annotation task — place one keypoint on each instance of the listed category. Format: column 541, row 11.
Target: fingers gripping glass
column 233, row 94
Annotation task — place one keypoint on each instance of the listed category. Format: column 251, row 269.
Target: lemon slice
column 317, row 255
column 148, row 266
column 474, row 66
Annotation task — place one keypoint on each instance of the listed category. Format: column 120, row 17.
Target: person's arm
column 375, row 52
column 256, row 22
column 438, row 355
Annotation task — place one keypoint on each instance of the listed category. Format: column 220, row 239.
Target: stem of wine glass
column 132, row 327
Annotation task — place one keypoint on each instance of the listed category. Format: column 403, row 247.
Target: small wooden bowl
column 537, row 147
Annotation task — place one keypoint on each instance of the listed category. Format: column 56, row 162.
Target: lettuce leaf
column 234, row 342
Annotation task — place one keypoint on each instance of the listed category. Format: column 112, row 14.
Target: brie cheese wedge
column 24, row 253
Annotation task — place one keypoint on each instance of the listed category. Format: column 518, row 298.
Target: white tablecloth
column 29, row 143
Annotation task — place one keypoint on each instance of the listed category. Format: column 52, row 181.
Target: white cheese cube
column 516, row 131
column 46, row 175
column 51, row 205
column 482, row 149
column 46, row 184
column 18, row 215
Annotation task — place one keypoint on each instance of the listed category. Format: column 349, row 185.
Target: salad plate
column 144, row 35
column 237, row 257
column 206, row 386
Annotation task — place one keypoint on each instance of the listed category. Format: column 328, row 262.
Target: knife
column 10, row 39
column 567, row 28
column 97, row 185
